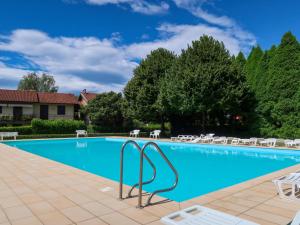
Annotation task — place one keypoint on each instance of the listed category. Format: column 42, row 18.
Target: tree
column 41, row 83
column 204, row 87
column 142, row 90
column 252, row 66
column 105, row 111
column 279, row 105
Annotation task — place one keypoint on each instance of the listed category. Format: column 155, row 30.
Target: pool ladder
column 141, row 182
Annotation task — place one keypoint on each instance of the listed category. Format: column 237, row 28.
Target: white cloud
column 195, row 7
column 103, row 64
column 182, row 35
column 140, row 6
column 66, row 57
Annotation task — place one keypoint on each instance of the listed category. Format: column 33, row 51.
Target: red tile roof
column 15, row 96
column 18, row 96
column 57, row 98
column 89, row 96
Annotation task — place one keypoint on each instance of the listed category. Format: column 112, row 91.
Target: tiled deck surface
column 35, row 191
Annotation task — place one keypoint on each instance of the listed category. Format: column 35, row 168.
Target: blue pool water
column 202, row 168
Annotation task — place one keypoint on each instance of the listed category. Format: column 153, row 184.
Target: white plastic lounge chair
column 81, row 133
column 208, row 138
column 134, row 133
column 296, row 220
column 8, row 134
column 270, row 142
column 288, row 186
column 297, row 142
column 235, row 141
column 250, row 141
column 221, row 140
column 198, row 139
column 199, row 215
column 289, row 143
column 155, row 134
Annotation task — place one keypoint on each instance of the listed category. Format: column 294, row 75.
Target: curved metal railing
column 129, row 195
column 141, row 175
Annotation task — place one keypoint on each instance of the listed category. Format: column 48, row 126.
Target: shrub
column 58, row 126
column 20, row 129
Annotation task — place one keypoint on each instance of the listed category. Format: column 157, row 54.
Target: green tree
column 240, row 61
column 204, row 87
column 41, row 83
column 280, row 103
column 252, row 66
column 142, row 90
column 105, row 111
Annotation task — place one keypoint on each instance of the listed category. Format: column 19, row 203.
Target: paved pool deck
column 35, row 190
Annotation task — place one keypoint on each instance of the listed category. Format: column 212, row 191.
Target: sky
column 96, row 44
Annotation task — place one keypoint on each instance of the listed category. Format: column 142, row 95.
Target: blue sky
column 96, row 44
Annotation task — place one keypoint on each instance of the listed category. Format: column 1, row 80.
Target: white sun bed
column 221, row 140
column 270, row 142
column 296, row 220
column 199, row 215
column 291, row 181
column 235, row 141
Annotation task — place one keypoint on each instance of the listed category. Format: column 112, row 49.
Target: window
column 0, row 109
column 61, row 110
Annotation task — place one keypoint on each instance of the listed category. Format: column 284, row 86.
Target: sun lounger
column 296, row 220
column 182, row 137
column 220, row 140
column 288, row 186
column 235, row 141
column 155, row 134
column 250, row 141
column 208, row 138
column 8, row 134
column 199, row 215
column 81, row 133
column 134, row 133
column 270, row 142
column 198, row 139
column 289, row 143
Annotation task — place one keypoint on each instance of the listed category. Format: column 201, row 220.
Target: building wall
column 34, row 110
column 7, row 109
column 69, row 113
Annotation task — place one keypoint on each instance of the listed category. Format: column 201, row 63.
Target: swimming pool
column 201, row 168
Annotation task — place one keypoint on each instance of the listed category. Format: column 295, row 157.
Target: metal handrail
column 141, row 175
column 121, row 170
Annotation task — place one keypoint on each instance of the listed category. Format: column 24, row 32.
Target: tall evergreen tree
column 251, row 66
column 279, row 105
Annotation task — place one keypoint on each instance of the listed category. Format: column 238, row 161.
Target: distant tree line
column 206, row 89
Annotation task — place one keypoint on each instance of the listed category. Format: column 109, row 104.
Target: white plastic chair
column 134, row 133
column 199, row 215
column 155, row 134
column 270, row 142
column 81, row 133
column 291, row 180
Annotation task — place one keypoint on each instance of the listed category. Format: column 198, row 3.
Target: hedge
column 20, row 129
column 58, row 126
